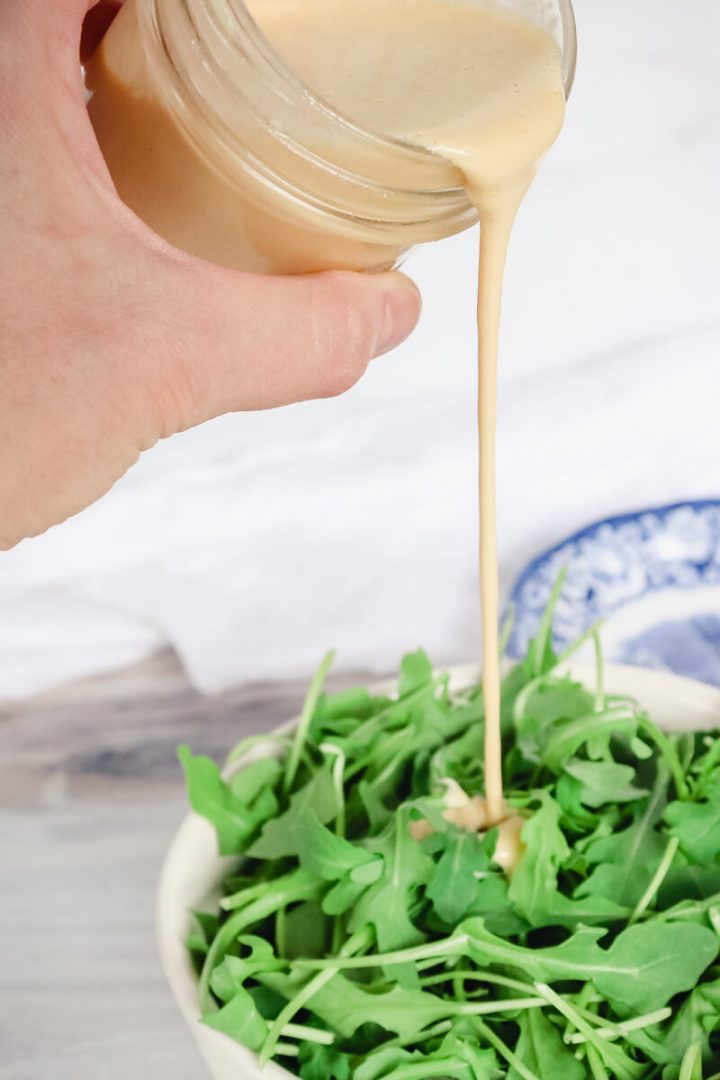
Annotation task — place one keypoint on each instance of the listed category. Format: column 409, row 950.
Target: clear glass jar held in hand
column 223, row 151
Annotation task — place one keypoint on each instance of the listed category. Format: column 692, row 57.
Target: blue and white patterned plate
column 652, row 576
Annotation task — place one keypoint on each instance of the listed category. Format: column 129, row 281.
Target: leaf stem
column 295, row 887
column 616, row 1031
column 483, row 1008
column 308, row 711
column 477, row 976
column 452, row 946
column 538, row 649
column 360, row 940
column 596, row 1066
column 338, row 775
column 667, row 749
column 612, row 1056
column 691, row 1068
column 246, row 896
column 308, row 1034
column 600, row 667
column 506, row 630
column 522, row 699
column 504, row 1050
column 280, row 931
column 658, row 877
column 440, row 1028
column 287, row 1050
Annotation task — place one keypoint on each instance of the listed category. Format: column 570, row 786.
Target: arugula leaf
column 644, row 967
column 306, row 931
column 534, row 883
column 318, row 1062
column 234, row 971
column 326, row 855
column 625, row 861
column 575, row 815
column 551, row 704
column 283, row 835
column 342, row 897
column 688, row 881
column 240, row 1020
column 604, row 782
column 591, row 910
column 378, row 814
column 542, row 1050
column 248, row 782
column 211, row 797
column 345, row 1006
column 649, row 964
column 415, row 673
column 396, row 1064
column 567, row 738
column 454, row 888
column 697, row 827
column 462, row 1043
column 696, row 1021
column 385, row 905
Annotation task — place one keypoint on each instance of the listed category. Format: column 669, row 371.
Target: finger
column 238, row 341
column 95, row 25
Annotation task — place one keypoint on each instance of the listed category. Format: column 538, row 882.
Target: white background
column 255, row 543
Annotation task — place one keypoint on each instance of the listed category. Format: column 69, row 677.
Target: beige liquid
column 468, row 80
column 485, row 89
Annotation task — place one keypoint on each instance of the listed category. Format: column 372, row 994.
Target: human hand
column 110, row 339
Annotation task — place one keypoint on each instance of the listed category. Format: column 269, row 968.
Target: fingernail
column 402, row 307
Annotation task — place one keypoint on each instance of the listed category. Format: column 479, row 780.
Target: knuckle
column 345, row 337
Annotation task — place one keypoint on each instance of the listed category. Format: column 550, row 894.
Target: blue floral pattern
column 612, row 565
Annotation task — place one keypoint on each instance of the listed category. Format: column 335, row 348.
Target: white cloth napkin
column 357, row 531
column 256, row 543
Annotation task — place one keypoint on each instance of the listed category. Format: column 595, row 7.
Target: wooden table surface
column 90, row 795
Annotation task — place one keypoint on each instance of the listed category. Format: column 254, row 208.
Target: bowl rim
column 185, row 874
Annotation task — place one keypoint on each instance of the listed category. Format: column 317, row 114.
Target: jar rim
column 183, row 41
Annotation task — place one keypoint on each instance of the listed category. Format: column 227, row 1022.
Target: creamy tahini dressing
column 485, row 89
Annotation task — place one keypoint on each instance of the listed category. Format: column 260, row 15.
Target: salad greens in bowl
column 323, row 914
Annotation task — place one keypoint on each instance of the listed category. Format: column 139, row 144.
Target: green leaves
column 283, row 836
column 697, row 827
column 643, row 968
column 542, row 1050
column 454, row 887
column 328, row 856
column 648, row 965
column 603, row 782
column 534, row 884
column 696, row 1021
column 415, row 673
column 235, row 819
column 345, row 1006
column 595, row 727
column 319, row 1062
column 240, row 1020
column 354, row 949
column 386, row 905
column 403, row 1065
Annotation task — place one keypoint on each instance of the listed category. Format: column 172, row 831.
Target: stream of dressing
column 484, row 88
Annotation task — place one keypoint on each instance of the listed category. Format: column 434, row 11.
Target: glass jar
column 213, row 141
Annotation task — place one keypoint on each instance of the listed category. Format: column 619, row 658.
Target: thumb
column 227, row 341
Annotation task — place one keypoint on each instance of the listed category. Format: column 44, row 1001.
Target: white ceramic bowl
column 193, row 869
